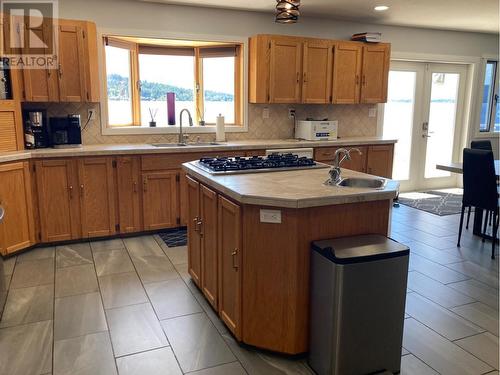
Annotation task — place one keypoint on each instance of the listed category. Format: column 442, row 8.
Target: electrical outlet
column 372, row 112
column 91, row 114
column 270, row 216
column 291, row 113
column 265, row 113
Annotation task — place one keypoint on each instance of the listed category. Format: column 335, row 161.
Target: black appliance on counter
column 66, row 132
column 36, row 133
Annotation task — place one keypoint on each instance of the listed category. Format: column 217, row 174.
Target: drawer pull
column 233, row 254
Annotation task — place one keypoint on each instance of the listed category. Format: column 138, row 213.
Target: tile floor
column 129, row 307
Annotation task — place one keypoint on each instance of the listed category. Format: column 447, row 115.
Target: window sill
column 486, row 135
column 138, row 130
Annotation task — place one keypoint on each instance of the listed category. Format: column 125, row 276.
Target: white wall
column 134, row 16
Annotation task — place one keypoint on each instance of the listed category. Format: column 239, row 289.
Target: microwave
column 313, row 130
column 66, row 131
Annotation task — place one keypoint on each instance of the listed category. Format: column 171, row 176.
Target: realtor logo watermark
column 29, row 40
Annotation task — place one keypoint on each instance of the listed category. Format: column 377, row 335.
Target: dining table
column 478, row 213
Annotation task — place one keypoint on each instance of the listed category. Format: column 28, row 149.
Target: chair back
column 481, row 145
column 480, row 188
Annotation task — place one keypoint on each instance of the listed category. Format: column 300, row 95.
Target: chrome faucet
column 335, row 172
column 182, row 137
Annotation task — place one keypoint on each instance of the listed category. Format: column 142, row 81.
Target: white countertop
column 291, row 189
column 133, row 148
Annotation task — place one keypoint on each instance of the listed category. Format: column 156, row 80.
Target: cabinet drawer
column 325, row 153
column 174, row 161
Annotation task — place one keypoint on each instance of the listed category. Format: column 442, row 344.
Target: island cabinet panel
column 230, row 273
column 376, row 60
column 128, row 194
column 285, row 70
column 317, row 72
column 193, row 224
column 58, row 199
column 17, row 227
column 208, row 234
column 160, row 197
column 357, row 163
column 183, row 198
column 97, row 196
column 347, row 72
column 380, row 160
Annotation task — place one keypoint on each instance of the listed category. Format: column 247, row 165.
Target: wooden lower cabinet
column 208, row 235
column 160, row 199
column 379, row 160
column 17, row 228
column 193, row 224
column 230, row 277
column 58, row 199
column 357, row 163
column 128, row 194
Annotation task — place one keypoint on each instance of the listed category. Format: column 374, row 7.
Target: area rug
column 174, row 237
column 437, row 202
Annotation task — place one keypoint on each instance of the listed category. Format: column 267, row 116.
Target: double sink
column 197, row 144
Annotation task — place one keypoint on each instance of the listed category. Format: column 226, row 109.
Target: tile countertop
column 291, row 189
column 138, row 148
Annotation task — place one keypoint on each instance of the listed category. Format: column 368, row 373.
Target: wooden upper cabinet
column 376, row 60
column 208, row 213
column 160, row 197
column 317, row 72
column 58, row 199
column 128, row 193
column 285, row 70
column 193, row 224
column 347, row 72
column 17, row 228
column 380, row 160
column 71, row 64
column 97, row 196
column 230, row 279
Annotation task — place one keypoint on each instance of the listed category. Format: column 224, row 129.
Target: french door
column 424, row 111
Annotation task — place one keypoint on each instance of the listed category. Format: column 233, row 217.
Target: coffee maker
column 36, row 133
column 66, row 132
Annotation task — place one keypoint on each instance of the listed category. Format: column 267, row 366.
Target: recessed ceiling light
column 381, row 8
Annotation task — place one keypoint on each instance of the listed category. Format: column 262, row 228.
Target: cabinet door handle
column 196, row 223
column 60, row 70
column 134, row 186
column 145, row 185
column 305, row 77
column 200, row 226
column 298, row 77
column 233, row 254
column 70, row 188
column 364, row 80
column 81, row 190
column 357, row 79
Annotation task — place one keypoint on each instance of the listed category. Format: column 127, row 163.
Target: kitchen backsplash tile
column 353, row 122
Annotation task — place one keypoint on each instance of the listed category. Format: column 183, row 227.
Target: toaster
column 313, row 130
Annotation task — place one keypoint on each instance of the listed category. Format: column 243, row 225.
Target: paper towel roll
column 220, row 130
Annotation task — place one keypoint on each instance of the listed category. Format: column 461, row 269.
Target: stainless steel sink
column 199, row 144
column 357, row 182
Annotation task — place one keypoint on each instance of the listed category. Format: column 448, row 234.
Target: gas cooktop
column 271, row 163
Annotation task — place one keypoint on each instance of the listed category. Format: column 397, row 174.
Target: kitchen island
column 249, row 241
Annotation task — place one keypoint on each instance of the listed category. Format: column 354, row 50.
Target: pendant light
column 287, row 11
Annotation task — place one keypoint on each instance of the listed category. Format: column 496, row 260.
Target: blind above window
column 226, row 51
column 160, row 50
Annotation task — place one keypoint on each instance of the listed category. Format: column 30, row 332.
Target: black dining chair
column 479, row 145
column 480, row 188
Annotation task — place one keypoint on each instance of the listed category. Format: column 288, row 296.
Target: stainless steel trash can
column 358, row 295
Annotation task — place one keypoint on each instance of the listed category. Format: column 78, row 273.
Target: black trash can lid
column 357, row 249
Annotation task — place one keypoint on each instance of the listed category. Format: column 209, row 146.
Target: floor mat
column 174, row 237
column 437, row 202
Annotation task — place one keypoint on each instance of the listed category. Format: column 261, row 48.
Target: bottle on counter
column 29, row 137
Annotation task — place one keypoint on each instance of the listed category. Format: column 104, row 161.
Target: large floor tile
column 135, row 329
column 177, row 255
column 196, row 343
column 33, row 273
column 28, row 305
column 75, row 280
column 73, row 255
column 154, row 268
column 8, row 265
column 105, row 245
column 26, row 349
column 172, row 298
column 480, row 314
column 78, row 315
column 84, row 355
column 475, row 255
column 143, row 246
column 439, row 353
column 434, row 270
column 429, row 239
column 37, row 254
column 479, row 291
column 153, row 362
column 436, row 291
column 435, row 255
column 233, row 368
column 121, row 290
column 487, row 276
column 411, row 365
column 483, row 346
column 441, row 320
column 112, row 261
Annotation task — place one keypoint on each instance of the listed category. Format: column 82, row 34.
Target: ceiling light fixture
column 381, row 8
column 287, row 11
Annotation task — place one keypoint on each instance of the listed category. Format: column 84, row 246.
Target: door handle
column 196, row 222
column 134, row 186
column 81, row 190
column 425, row 136
column 70, row 188
column 233, row 254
